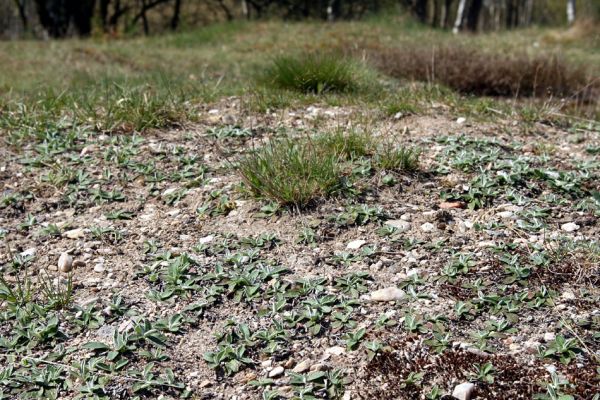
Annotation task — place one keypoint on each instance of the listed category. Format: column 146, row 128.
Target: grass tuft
column 348, row 146
column 391, row 158
column 312, row 73
column 292, row 173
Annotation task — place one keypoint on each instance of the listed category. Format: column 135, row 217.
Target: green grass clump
column 292, row 172
column 312, row 73
column 348, row 146
column 391, row 158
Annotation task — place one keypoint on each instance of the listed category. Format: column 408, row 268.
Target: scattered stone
column 506, row 214
column 77, row 233
column 387, row 294
column 168, row 192
column 568, row 295
column 205, row 383
column 452, row 204
column 99, row 268
column 464, row 391
column 406, row 217
column 427, row 227
column 79, row 264
column 277, row 371
column 399, row 224
column 289, row 363
column 335, row 350
column 302, row 367
column 28, row 253
column 356, row 244
column 569, row 227
column 461, row 120
column 318, row 367
column 266, row 363
column 174, row 212
column 549, row 337
column 65, row 262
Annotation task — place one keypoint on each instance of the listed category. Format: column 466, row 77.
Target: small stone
column 74, row 233
column 174, row 212
column 399, row 224
column 569, row 227
column 266, row 363
column 302, row 367
column 289, row 363
column 79, row 264
column 277, row 371
column 356, row 244
column 250, row 376
column 464, row 391
column 568, row 295
column 99, row 268
column 549, row 337
column 461, row 120
column 506, row 214
column 205, row 383
column 387, row 294
column 28, row 253
column 335, row 350
column 427, row 227
column 452, row 205
column 168, row 192
column 65, row 262
column 318, row 367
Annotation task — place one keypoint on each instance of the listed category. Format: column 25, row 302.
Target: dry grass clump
column 476, row 72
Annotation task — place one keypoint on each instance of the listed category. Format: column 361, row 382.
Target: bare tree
column 570, row 11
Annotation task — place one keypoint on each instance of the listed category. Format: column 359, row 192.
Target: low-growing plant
column 391, row 158
column 312, row 73
column 291, row 172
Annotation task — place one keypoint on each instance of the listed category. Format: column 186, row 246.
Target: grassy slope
column 220, row 60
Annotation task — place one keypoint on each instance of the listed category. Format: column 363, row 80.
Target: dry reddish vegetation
column 473, row 71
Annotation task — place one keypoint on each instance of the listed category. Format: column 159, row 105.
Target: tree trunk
column 81, row 13
column 176, row 15
column 333, row 10
column 570, row 11
column 22, row 13
column 104, row 14
column 53, row 17
column 473, row 15
column 144, row 18
column 435, row 17
column 226, row 10
column 420, row 10
column 245, row 11
column 445, row 17
column 459, row 16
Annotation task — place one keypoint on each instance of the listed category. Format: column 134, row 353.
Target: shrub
column 293, row 173
column 312, row 73
column 473, row 71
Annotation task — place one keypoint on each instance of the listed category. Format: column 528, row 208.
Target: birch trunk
column 570, row 11
column 459, row 16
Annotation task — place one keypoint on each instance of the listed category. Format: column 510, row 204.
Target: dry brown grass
column 477, row 72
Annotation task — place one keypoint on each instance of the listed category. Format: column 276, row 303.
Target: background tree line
column 62, row 18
